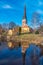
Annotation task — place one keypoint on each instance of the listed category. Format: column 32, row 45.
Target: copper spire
column 24, row 17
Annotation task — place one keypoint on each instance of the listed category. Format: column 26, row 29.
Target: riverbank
column 31, row 38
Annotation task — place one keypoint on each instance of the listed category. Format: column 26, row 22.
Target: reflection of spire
column 23, row 55
column 24, row 17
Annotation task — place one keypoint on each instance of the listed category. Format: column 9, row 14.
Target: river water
column 14, row 56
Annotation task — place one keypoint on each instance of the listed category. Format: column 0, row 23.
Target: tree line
column 9, row 25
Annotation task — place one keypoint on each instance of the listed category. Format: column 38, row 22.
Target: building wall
column 23, row 22
column 25, row 30
column 10, row 32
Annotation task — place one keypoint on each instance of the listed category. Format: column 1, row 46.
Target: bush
column 37, row 32
column 19, row 30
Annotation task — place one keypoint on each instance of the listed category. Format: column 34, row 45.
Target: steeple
column 24, row 17
column 24, row 20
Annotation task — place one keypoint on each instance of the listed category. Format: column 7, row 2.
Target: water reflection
column 15, row 57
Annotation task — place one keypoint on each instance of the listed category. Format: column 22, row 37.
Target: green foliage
column 37, row 32
column 19, row 30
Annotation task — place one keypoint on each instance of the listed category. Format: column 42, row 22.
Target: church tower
column 25, row 27
column 24, row 21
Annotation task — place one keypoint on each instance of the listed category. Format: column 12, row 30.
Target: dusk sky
column 13, row 10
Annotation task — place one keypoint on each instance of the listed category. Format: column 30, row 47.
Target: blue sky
column 13, row 10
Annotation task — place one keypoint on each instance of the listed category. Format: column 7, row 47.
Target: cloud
column 40, row 3
column 7, row 6
column 39, row 11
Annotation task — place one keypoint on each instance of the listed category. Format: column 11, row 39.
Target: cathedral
column 25, row 28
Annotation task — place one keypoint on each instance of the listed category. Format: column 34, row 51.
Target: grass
column 31, row 38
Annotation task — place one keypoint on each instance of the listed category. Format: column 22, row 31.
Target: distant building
column 15, row 30
column 10, row 32
column 25, row 28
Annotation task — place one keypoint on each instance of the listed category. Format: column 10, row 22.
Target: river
column 14, row 56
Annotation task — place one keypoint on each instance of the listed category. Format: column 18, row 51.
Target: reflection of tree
column 41, row 53
column 34, row 60
column 41, row 60
column 34, row 57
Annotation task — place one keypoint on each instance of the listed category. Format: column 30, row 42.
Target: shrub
column 37, row 32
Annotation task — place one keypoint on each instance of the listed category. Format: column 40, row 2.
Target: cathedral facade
column 25, row 28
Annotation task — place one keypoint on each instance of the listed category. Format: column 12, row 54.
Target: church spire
column 24, row 17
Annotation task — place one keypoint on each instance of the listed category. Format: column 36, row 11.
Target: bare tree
column 12, row 25
column 0, row 26
column 35, row 20
column 5, row 26
column 41, row 28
